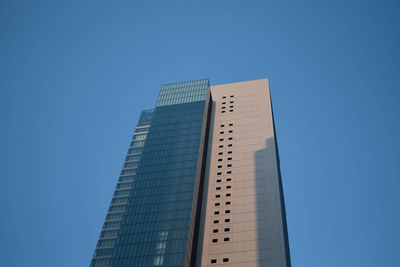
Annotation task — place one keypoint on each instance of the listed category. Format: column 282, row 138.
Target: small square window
column 223, row 107
column 228, row 195
column 222, row 125
column 226, row 229
column 224, row 97
column 220, row 153
column 229, row 165
column 213, row 261
column 225, row 260
column 216, row 221
column 231, row 110
column 219, row 180
column 223, row 103
column 216, row 212
column 229, row 158
column 223, row 111
column 217, row 204
column 221, row 146
column 228, row 172
column 219, row 159
column 229, row 152
column 215, row 240
column 221, row 132
column 229, row 179
column 216, row 230
column 219, row 166
column 229, row 145
column 228, row 187
column 227, row 203
column 227, row 211
column 232, row 96
column 222, row 139
column 227, row 220
column 230, row 131
column 230, row 124
column 217, row 196
column 219, row 173
column 231, row 102
column 218, row 188
column 226, row 239
column 230, row 138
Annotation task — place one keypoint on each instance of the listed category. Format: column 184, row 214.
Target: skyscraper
column 201, row 183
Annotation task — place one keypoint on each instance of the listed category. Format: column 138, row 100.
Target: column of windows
column 223, row 180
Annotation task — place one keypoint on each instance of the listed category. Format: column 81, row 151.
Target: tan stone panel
column 255, row 234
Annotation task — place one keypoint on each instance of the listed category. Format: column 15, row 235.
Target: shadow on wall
column 272, row 238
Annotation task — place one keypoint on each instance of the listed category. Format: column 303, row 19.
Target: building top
column 145, row 117
column 184, row 92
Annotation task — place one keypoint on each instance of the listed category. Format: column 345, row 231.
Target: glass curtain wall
column 149, row 220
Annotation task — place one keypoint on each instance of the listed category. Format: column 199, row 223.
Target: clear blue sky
column 74, row 76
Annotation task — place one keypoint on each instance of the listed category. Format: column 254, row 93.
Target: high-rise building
column 201, row 183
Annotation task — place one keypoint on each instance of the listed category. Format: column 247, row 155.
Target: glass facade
column 150, row 219
column 185, row 92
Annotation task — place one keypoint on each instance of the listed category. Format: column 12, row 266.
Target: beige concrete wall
column 256, row 235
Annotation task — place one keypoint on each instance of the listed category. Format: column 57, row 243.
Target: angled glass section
column 112, row 225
